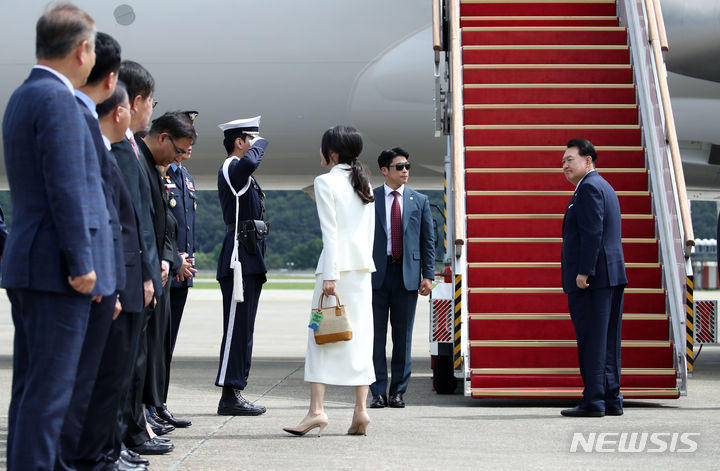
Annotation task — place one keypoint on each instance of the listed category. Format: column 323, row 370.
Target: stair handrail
column 662, row 34
column 436, row 25
column 657, row 37
column 457, row 126
column 665, row 182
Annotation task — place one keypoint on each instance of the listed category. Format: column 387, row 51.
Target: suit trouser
column 96, row 336
column 238, row 329
column 392, row 298
column 99, row 440
column 158, row 346
column 49, row 333
column 597, row 318
column 135, row 432
column 178, row 298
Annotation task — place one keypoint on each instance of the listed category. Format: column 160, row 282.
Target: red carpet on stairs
column 537, row 74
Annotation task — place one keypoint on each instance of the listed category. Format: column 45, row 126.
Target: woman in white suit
column 345, row 205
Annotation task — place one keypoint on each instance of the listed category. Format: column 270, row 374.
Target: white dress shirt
column 389, row 198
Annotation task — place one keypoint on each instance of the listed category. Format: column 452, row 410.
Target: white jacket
column 346, row 223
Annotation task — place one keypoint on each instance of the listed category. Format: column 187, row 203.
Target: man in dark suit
column 404, row 255
column 183, row 204
column 238, row 190
column 59, row 255
column 170, row 135
column 593, row 276
column 140, row 84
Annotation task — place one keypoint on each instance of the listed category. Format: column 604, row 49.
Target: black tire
column 444, row 380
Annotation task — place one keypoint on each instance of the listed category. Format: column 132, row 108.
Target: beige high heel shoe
column 359, row 424
column 305, row 426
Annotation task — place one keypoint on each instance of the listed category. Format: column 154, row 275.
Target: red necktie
column 396, row 227
column 134, row 146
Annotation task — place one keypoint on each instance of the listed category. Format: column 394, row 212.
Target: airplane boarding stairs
column 536, row 74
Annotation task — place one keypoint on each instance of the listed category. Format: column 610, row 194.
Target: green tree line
column 294, row 241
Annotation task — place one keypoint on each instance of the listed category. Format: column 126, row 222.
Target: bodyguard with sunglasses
column 404, row 255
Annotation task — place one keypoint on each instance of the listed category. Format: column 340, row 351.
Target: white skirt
column 346, row 363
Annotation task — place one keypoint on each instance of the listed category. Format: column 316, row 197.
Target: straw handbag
column 331, row 324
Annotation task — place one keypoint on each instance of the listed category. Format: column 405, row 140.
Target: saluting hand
column 83, row 283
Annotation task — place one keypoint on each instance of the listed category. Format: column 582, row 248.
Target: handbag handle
column 338, row 310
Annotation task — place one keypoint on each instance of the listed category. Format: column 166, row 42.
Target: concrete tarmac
column 432, row 432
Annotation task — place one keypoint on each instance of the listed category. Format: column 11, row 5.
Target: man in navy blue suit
column 59, row 254
column 593, row 276
column 100, row 85
column 404, row 255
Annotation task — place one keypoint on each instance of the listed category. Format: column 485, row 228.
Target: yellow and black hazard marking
column 689, row 324
column 457, row 319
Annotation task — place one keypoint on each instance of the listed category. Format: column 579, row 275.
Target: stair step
column 557, row 393
column 547, row 179
column 563, row 354
column 543, row 202
column 541, row 135
column 539, row 21
column 566, row 378
column 548, row 274
column 549, row 94
column 545, row 54
column 547, row 225
column 555, row 326
column 549, row 156
column 537, row 8
column 548, row 249
column 547, row 73
column 550, row 300
column 543, row 114
column 544, row 35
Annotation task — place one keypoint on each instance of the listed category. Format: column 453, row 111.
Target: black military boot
column 233, row 403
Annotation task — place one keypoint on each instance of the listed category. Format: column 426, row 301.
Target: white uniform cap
column 248, row 126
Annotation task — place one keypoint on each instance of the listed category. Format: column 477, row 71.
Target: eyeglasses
column 399, row 167
column 154, row 103
column 178, row 150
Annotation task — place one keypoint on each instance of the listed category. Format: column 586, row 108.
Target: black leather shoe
column 133, row 458
column 167, row 416
column 123, row 465
column 157, row 427
column 233, row 403
column 160, row 439
column 379, row 401
column 580, row 412
column 396, row 400
column 613, row 412
column 153, row 447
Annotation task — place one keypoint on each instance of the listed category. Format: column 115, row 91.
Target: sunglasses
column 399, row 167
